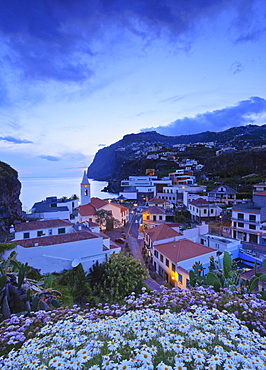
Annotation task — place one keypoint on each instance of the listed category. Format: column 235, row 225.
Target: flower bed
column 144, row 339
column 250, row 310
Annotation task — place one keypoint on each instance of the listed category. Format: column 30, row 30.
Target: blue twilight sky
column 79, row 74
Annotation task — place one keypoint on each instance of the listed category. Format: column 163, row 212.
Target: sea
column 37, row 189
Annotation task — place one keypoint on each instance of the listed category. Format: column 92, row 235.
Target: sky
column 79, row 75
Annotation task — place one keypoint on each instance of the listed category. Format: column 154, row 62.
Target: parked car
column 120, row 240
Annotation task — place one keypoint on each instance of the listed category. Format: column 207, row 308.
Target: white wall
column 56, row 258
column 33, row 233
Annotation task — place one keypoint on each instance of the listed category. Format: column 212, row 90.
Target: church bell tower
column 85, row 190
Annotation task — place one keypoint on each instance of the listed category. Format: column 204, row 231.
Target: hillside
column 10, row 205
column 128, row 156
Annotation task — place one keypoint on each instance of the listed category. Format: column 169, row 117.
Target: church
column 90, row 205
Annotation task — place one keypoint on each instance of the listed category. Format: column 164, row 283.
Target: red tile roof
column 154, row 210
column 122, row 208
column 87, row 210
column 262, row 193
column 200, row 202
column 97, row 202
column 45, row 224
column 158, row 200
column 57, row 239
column 161, row 232
column 182, row 250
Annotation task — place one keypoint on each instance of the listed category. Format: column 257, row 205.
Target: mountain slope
column 109, row 161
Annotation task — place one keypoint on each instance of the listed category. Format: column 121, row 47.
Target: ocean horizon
column 36, row 189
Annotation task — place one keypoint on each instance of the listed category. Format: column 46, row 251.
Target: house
column 56, row 245
column 173, row 260
column 182, row 177
column 54, row 208
column 153, row 216
column 38, row 229
column 161, row 233
column 141, row 188
column 248, row 220
column 259, row 187
column 166, row 204
column 202, row 210
column 119, row 212
column 88, row 211
column 223, row 194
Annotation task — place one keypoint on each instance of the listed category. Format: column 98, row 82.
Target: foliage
column 248, row 286
column 106, row 220
column 227, row 276
column 118, row 277
column 77, row 283
column 7, row 246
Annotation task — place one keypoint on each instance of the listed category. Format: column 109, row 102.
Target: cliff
column 127, row 156
column 10, row 205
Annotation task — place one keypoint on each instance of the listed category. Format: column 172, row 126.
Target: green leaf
column 35, row 303
column 227, row 261
column 264, row 264
column 3, row 281
column 212, row 278
column 253, row 284
column 263, row 278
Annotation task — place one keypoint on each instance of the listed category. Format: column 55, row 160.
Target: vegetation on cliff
column 10, row 205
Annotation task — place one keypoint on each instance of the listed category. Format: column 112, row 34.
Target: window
column 173, row 267
column 252, row 217
column 180, row 278
column 62, row 230
column 161, row 258
column 212, row 210
column 147, row 217
column 50, row 232
column 234, row 224
column 39, row 233
column 26, row 235
column 205, row 210
column 156, row 254
column 240, row 224
column 240, row 216
column 167, row 262
column 252, row 227
column 160, row 217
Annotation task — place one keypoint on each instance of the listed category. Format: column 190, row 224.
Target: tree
column 118, row 277
column 106, row 220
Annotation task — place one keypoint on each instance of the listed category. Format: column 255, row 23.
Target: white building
column 202, row 210
column 56, row 245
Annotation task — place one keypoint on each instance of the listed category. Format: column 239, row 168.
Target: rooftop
column 57, row 239
column 154, row 210
column 37, row 225
column 182, row 250
column 161, row 232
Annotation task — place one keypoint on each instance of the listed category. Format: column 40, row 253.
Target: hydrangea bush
column 248, row 308
column 144, row 339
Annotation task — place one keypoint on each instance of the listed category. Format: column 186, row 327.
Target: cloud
column 49, row 158
column 56, row 40
column 13, row 140
column 245, row 112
